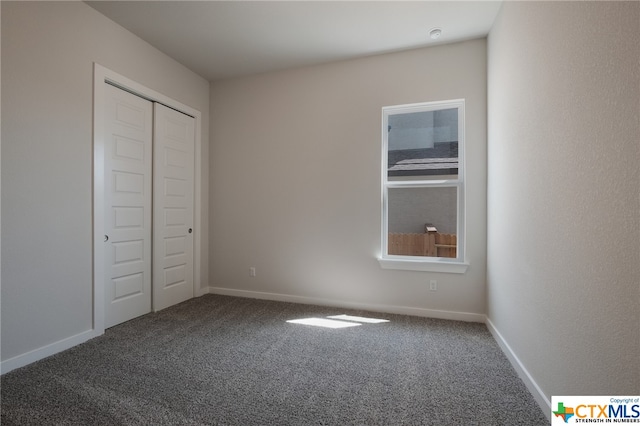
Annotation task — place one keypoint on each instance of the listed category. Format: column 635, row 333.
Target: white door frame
column 101, row 75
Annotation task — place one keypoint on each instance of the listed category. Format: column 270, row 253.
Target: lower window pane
column 422, row 221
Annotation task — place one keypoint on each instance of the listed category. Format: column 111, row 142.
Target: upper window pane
column 423, row 145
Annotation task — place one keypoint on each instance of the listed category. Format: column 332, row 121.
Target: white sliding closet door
column 173, row 180
column 127, row 189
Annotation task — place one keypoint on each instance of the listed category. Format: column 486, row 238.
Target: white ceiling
column 222, row 39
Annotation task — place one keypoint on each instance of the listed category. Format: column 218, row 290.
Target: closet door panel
column 173, row 172
column 128, row 193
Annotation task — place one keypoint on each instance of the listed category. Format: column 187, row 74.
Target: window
column 423, row 187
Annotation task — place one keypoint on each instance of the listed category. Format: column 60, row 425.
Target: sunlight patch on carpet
column 358, row 319
column 323, row 322
column 338, row 321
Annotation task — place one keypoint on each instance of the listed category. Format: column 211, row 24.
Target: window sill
column 408, row 264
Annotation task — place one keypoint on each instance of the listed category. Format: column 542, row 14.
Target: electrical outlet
column 252, row 271
column 433, row 285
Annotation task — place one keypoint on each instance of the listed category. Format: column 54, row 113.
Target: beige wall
column 48, row 50
column 295, row 179
column 564, row 188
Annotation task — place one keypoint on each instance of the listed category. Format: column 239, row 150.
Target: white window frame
column 459, row 264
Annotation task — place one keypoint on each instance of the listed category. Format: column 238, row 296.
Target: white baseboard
column 403, row 310
column 45, row 351
column 202, row 291
column 538, row 394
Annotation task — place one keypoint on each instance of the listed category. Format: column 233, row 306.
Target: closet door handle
column 106, row 238
column 190, row 230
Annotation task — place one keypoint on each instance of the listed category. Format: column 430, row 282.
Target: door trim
column 102, row 75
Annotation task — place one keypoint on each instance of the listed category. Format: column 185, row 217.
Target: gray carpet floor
column 219, row 360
